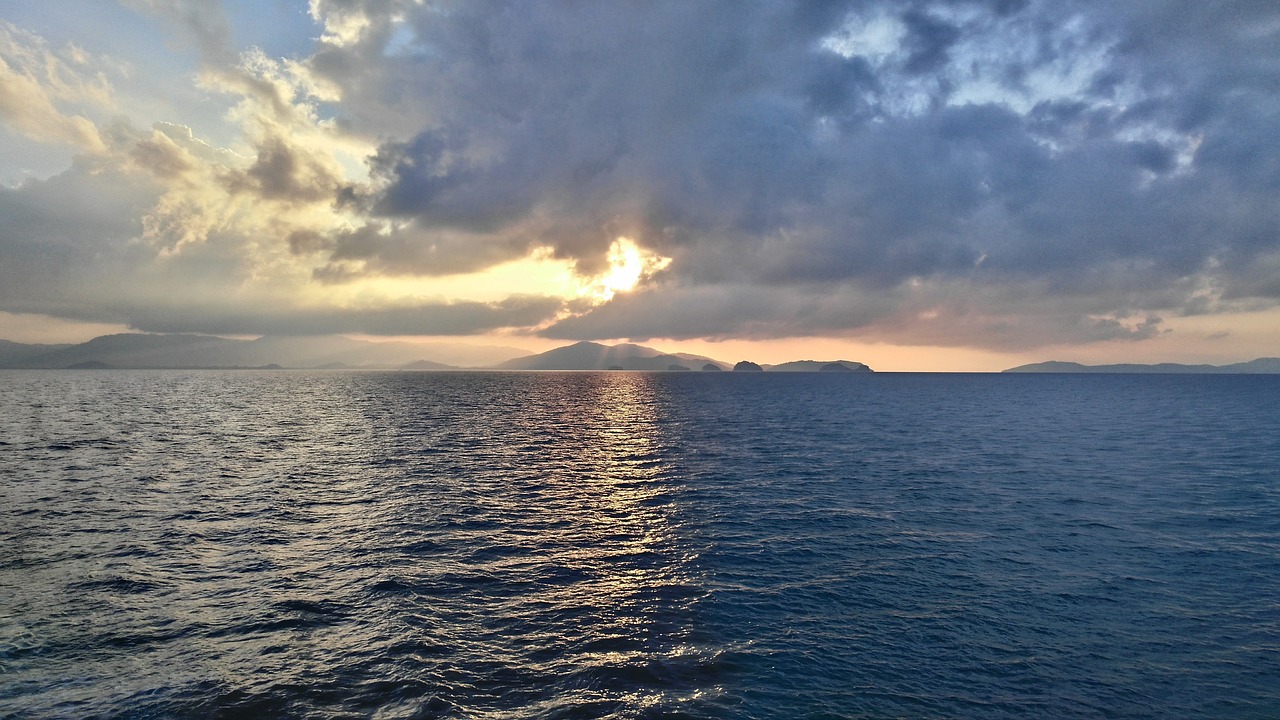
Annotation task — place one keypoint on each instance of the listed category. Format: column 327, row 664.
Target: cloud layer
column 999, row 174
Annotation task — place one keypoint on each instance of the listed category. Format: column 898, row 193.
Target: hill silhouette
column 819, row 366
column 144, row 350
column 595, row 356
column 1260, row 366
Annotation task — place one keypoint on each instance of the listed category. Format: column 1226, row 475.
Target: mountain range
column 139, row 350
column 1257, row 367
column 144, row 350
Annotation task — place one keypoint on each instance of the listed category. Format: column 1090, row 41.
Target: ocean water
column 255, row 544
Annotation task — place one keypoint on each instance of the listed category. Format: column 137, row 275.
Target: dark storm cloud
column 1083, row 148
column 928, row 42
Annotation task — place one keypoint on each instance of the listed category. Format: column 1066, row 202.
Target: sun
column 628, row 265
column 625, row 266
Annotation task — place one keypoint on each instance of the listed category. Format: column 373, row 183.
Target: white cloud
column 35, row 81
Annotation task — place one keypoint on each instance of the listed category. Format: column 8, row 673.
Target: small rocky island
column 747, row 366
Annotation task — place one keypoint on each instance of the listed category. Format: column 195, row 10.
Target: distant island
column 1261, row 366
column 819, row 366
column 596, row 356
column 188, row 352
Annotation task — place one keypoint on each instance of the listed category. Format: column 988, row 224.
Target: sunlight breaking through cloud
column 629, row 265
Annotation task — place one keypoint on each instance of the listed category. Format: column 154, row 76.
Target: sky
column 918, row 185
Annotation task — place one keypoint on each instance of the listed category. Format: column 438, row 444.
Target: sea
column 341, row 544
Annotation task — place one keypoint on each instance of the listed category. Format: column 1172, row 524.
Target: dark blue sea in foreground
column 249, row 544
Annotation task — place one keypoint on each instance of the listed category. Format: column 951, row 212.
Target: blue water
column 286, row 544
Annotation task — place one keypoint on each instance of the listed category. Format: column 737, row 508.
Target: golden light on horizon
column 535, row 274
column 539, row 273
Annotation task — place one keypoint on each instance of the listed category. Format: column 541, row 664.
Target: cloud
column 1001, row 174
column 461, row 318
column 94, row 264
column 958, row 313
column 1046, row 139
column 158, row 227
column 36, row 80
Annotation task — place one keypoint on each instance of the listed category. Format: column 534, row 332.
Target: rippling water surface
column 576, row 545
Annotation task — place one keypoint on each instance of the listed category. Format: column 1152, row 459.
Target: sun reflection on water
column 478, row 544
column 638, row 572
